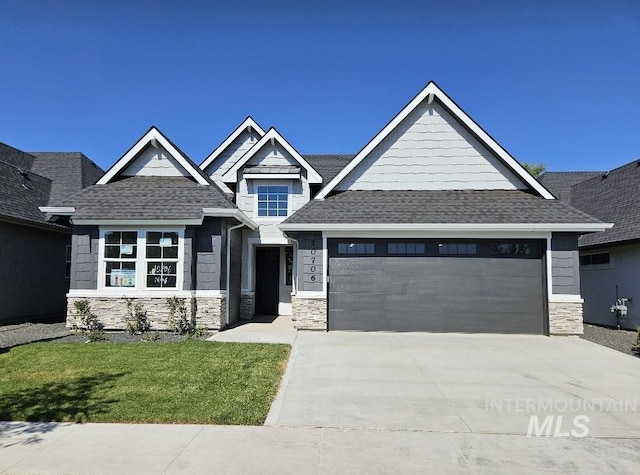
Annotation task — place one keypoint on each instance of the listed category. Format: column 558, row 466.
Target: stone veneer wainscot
column 565, row 318
column 309, row 313
column 209, row 312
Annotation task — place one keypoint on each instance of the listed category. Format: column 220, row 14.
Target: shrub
column 88, row 320
column 136, row 321
column 180, row 320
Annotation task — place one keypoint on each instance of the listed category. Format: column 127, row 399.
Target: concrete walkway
column 260, row 329
column 194, row 449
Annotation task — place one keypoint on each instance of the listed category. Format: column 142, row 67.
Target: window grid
column 120, row 255
column 457, row 249
column 273, row 200
column 366, row 248
column 410, row 248
column 162, row 259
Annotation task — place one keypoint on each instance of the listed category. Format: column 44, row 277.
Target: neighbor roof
column 473, row 207
column 560, row 183
column 69, row 172
column 33, row 180
column 146, row 198
column 612, row 197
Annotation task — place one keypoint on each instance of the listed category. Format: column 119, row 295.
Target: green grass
column 191, row 382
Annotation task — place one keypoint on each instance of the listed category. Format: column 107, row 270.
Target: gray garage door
column 436, row 286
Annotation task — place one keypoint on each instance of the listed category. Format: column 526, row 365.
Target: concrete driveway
column 487, row 384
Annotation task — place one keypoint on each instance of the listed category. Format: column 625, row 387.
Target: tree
column 536, row 169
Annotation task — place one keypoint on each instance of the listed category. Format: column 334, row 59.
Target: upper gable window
column 273, row 200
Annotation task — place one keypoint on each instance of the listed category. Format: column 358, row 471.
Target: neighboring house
column 609, row 260
column 432, row 226
column 35, row 252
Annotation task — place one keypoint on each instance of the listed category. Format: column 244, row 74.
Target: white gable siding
column 430, row 150
column 272, row 155
column 154, row 162
column 232, row 153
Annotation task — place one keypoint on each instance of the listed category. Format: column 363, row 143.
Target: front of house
column 432, row 226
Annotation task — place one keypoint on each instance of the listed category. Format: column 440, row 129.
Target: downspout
column 229, row 230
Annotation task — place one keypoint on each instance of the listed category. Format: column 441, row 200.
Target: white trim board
column 154, row 138
column 248, row 122
column 431, row 92
column 231, row 176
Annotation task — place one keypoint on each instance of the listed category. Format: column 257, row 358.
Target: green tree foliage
column 536, row 169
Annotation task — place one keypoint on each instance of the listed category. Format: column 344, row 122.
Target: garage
column 453, row 285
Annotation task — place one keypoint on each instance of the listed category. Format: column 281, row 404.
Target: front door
column 267, row 278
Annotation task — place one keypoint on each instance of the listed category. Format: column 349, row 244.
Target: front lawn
column 195, row 382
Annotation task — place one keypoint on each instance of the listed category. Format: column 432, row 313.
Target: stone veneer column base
column 211, row 312
column 111, row 311
column 309, row 313
column 565, row 318
column 247, row 306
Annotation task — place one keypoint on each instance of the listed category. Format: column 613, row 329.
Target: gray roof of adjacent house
column 560, row 183
column 440, row 206
column 328, row 166
column 30, row 181
column 147, row 197
column 613, row 197
column 69, row 172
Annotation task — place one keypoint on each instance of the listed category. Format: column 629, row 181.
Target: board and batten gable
column 430, row 150
column 236, row 149
column 154, row 161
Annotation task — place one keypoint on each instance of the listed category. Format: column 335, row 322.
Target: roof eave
column 539, row 227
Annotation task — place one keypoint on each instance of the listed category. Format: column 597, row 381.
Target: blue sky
column 554, row 82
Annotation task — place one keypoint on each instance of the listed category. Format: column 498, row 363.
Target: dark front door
column 267, row 278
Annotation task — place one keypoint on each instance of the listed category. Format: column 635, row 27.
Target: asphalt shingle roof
column 560, row 183
column 147, row 197
column 441, row 206
column 20, row 196
column 69, row 172
column 613, row 197
column 328, row 166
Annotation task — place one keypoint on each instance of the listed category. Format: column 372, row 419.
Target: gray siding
column 208, row 254
column 188, row 258
column 309, row 262
column 565, row 264
column 235, row 275
column 598, row 283
column 32, row 273
column 430, row 150
column 84, row 257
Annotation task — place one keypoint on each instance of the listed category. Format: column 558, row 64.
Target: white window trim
column 141, row 261
column 271, row 219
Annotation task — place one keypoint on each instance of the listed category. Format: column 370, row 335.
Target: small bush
column 180, row 320
column 151, row 336
column 136, row 321
column 96, row 335
column 88, row 320
column 638, row 336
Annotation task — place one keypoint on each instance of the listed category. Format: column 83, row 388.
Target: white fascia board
column 232, row 174
column 58, row 210
column 433, row 91
column 275, row 176
column 230, row 213
column 453, row 227
column 138, row 223
column 149, row 137
column 248, row 122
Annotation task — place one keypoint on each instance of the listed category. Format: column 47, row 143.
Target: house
column 432, row 226
column 35, row 251
column 609, row 260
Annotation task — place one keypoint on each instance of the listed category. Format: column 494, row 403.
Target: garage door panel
column 437, row 294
